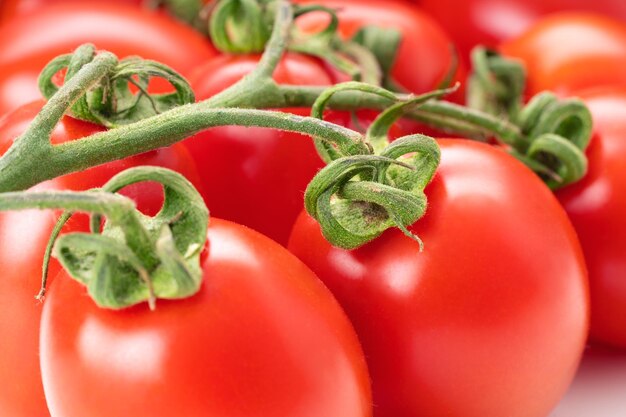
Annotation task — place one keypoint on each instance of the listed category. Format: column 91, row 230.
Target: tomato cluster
column 482, row 307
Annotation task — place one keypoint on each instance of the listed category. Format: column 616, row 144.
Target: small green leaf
column 107, row 267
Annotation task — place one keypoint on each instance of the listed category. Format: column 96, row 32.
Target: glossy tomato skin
column 425, row 56
column 30, row 42
column 263, row 337
column 490, row 319
column 596, row 206
column 489, row 22
column 24, row 235
column 255, row 176
column 11, row 8
column 571, row 52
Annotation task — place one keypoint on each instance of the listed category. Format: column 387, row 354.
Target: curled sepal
column 554, row 133
column 348, row 57
column 355, row 199
column 179, row 274
column 240, row 26
column 183, row 211
column 563, row 158
column 497, row 84
column 178, row 230
column 531, row 113
column 113, row 274
column 421, row 152
column 383, row 43
column 121, row 97
column 557, row 134
column 72, row 63
column 126, row 106
column 328, row 151
column 569, row 118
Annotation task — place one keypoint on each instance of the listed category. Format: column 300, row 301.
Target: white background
column 599, row 389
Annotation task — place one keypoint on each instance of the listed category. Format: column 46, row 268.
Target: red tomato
column 11, row 8
column 490, row 319
column 255, row 176
column 24, row 236
column 263, row 337
column 596, row 206
column 425, row 55
column 30, row 42
column 567, row 53
column 488, row 22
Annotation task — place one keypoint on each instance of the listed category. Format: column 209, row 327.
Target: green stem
column 21, row 167
column 277, row 43
column 258, row 85
column 111, row 102
column 378, row 133
column 306, row 96
column 458, row 119
column 370, row 71
column 33, row 146
column 324, row 149
column 19, row 171
column 447, row 116
column 89, row 75
column 382, row 45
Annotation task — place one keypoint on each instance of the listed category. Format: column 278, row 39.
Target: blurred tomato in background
column 488, row 22
column 30, row 41
column 12, row 8
column 571, row 52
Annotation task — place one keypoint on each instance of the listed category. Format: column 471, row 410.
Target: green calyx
column 134, row 258
column 241, row 26
column 496, row 85
column 355, row 198
column 554, row 133
column 111, row 102
column 383, row 43
column 558, row 133
column 377, row 133
column 350, row 57
column 245, row 26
